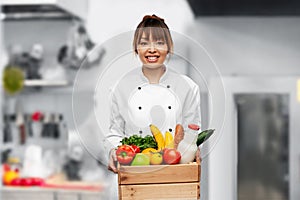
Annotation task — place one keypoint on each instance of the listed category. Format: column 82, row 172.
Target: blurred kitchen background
column 244, row 55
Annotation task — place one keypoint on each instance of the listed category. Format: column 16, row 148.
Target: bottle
column 188, row 147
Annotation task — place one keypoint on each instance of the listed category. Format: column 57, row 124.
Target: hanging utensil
column 20, row 123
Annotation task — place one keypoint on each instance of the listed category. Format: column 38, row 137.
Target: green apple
column 140, row 159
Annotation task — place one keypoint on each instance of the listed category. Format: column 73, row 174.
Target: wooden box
column 180, row 181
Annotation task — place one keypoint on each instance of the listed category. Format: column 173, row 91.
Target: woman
column 151, row 94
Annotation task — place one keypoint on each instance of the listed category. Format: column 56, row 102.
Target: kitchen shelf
column 46, row 83
column 7, row 145
column 52, row 87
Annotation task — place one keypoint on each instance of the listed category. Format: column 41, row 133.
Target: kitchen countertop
column 44, row 193
column 55, row 188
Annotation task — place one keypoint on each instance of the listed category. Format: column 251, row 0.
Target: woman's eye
column 143, row 43
column 160, row 43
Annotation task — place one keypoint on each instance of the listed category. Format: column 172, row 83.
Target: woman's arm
column 191, row 107
column 115, row 134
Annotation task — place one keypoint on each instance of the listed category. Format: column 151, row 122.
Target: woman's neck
column 154, row 74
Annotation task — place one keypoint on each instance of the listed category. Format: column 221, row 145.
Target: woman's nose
column 152, row 47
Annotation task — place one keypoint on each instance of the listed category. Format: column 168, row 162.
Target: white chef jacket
column 135, row 104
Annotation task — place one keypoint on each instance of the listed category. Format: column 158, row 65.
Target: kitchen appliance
column 263, row 147
column 257, row 155
column 44, row 9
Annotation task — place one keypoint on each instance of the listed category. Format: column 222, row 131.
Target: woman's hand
column 112, row 161
column 198, row 156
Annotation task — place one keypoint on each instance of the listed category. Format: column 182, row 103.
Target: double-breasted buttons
column 153, row 103
column 140, row 107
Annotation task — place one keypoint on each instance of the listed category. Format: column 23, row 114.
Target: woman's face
column 152, row 53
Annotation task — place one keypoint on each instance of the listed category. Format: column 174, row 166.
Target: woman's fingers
column 198, row 156
column 112, row 165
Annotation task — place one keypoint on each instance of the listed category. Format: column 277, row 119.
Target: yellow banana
column 158, row 136
column 149, row 150
column 169, row 140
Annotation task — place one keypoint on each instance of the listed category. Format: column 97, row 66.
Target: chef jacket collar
column 162, row 79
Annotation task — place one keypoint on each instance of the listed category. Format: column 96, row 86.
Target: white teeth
column 152, row 58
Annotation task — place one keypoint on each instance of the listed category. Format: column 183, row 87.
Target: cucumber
column 204, row 135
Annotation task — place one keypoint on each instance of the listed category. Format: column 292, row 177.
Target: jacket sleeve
column 116, row 125
column 191, row 107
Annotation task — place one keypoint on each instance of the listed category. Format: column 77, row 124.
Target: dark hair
column 156, row 26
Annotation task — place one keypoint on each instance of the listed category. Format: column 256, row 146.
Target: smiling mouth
column 152, row 59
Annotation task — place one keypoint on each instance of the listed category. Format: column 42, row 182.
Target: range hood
column 41, row 9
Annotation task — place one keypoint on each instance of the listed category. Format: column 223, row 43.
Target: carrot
column 179, row 135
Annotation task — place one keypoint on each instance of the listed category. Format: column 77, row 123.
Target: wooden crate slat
column 159, row 174
column 161, row 191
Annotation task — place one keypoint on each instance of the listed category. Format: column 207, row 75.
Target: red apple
column 171, row 156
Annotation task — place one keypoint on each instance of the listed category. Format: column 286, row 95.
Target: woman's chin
column 153, row 65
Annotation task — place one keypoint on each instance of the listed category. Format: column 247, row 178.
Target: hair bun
column 146, row 17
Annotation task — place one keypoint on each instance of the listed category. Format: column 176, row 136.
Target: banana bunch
column 166, row 141
column 169, row 140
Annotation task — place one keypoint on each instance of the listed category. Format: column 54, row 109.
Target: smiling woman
column 152, row 93
column 152, row 28
column 152, row 51
column 152, row 42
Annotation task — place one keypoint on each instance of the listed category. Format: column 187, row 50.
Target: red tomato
column 125, row 154
column 16, row 182
column 171, row 156
column 26, row 181
column 29, row 181
column 37, row 181
column 136, row 148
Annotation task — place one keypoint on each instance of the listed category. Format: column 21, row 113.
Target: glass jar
column 14, row 164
